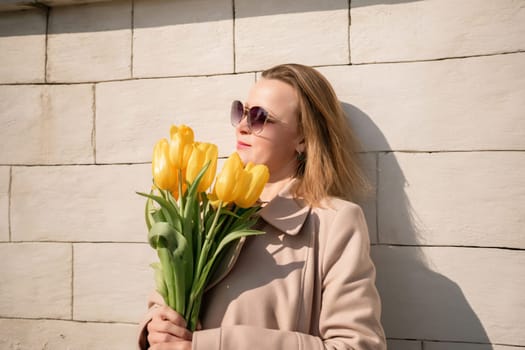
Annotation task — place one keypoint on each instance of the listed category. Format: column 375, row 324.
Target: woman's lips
column 242, row 145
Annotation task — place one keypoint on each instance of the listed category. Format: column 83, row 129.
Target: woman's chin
column 245, row 155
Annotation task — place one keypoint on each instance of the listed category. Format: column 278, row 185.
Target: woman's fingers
column 158, row 337
column 167, row 327
column 167, row 313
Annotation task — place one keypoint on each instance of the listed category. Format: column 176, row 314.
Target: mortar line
column 450, row 246
column 377, row 196
column 437, row 58
column 348, row 31
column 9, row 196
column 132, row 33
column 233, row 37
column 94, row 130
column 255, row 70
column 468, row 342
column 65, row 320
column 48, row 10
column 72, row 279
column 453, row 341
column 225, row 156
column 517, row 249
column 80, row 164
column 447, row 151
column 80, row 242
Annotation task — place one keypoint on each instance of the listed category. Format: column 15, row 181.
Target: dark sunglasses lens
column 236, row 112
column 257, row 118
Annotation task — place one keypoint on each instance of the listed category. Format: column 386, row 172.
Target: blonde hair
column 330, row 165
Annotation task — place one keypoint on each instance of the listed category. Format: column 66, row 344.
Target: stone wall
column 435, row 89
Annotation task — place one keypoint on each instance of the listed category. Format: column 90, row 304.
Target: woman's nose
column 243, row 127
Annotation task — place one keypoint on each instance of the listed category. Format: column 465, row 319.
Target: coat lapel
column 286, row 213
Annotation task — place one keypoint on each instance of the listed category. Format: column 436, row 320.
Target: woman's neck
column 272, row 189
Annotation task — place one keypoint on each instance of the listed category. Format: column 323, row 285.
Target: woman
column 308, row 283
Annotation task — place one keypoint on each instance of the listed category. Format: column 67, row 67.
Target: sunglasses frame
column 247, row 112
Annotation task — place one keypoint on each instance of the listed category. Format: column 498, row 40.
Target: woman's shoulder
column 334, row 206
column 339, row 215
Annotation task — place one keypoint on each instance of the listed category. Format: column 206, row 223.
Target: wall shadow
column 150, row 14
column 418, row 303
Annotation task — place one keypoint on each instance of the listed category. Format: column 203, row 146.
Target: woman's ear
column 301, row 147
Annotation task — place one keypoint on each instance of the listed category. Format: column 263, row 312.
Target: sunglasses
column 256, row 117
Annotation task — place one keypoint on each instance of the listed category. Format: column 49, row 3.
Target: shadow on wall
column 109, row 15
column 418, row 303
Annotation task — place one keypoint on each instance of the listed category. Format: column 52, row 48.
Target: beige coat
column 308, row 283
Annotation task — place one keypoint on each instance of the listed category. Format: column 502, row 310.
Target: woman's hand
column 167, row 330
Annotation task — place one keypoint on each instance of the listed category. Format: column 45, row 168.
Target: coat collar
column 286, row 212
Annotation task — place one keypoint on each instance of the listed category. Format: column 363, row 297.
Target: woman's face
column 277, row 144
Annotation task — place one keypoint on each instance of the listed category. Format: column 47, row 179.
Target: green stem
column 180, row 292
column 193, row 314
column 230, row 220
column 167, row 270
column 207, row 242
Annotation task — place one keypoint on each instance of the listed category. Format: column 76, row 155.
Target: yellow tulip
column 201, row 154
column 181, row 144
column 227, row 183
column 255, row 177
column 175, row 191
column 164, row 174
column 212, row 197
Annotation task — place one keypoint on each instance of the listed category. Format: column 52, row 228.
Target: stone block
column 452, row 294
column 112, row 281
column 23, row 47
column 79, row 203
column 15, row 5
column 174, row 38
column 56, row 122
column 272, row 32
column 88, row 43
column 458, row 104
column 422, row 30
column 65, row 335
column 133, row 115
column 5, row 179
column 35, row 280
column 473, row 199
column 396, row 344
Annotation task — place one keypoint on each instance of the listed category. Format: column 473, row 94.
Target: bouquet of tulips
column 190, row 228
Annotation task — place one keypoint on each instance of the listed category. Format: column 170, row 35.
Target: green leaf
column 158, row 216
column 149, row 210
column 159, row 280
column 171, row 212
column 176, row 260
column 230, row 237
column 166, row 262
column 162, row 235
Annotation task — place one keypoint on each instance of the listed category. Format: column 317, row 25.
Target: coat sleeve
column 350, row 308
column 154, row 299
